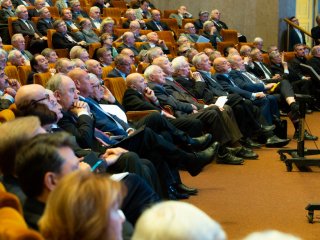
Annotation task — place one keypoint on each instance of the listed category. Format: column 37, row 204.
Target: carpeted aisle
column 261, row 194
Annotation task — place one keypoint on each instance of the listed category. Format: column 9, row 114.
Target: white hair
column 271, row 235
column 177, row 220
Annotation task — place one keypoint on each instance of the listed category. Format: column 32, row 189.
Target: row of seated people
column 30, row 99
column 101, row 199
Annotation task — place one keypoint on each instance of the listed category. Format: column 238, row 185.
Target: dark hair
column 292, row 18
column 39, row 156
column 33, row 62
column 226, row 50
column 39, row 110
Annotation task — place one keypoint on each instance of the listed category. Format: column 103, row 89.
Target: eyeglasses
column 33, row 102
column 96, row 86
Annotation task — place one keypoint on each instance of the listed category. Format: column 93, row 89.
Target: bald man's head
column 136, row 81
column 82, row 81
column 28, row 93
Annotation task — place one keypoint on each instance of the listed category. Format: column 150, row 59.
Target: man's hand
column 107, row 95
column 269, row 85
column 168, row 115
column 149, row 93
column 196, row 76
column 113, row 154
column 80, row 106
column 276, row 76
column 14, row 83
column 10, row 91
column 260, row 95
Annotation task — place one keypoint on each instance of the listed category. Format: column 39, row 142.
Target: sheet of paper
column 119, row 176
column 115, row 110
column 221, row 101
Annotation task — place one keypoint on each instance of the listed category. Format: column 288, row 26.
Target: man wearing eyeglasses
column 190, row 32
column 8, row 89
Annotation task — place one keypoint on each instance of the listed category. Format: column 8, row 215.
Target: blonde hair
column 79, row 207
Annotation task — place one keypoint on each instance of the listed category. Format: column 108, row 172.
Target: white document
column 119, row 176
column 221, row 101
column 114, row 110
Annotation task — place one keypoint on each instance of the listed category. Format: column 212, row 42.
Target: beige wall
column 250, row 17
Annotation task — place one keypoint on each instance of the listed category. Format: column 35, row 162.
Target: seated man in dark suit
column 28, row 28
column 210, row 32
column 203, row 17
column 66, row 15
column 95, row 17
column 45, row 22
column 39, row 64
column 301, row 84
column 76, row 11
column 25, row 3
column 190, row 32
column 64, row 39
column 18, row 43
column 128, row 42
column 122, row 66
column 35, row 12
column 6, row 11
column 155, row 24
column 131, row 16
column 154, row 41
column 215, row 18
column 8, row 90
column 135, row 28
column 222, row 67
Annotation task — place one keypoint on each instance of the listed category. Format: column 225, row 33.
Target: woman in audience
column 106, row 41
column 179, row 221
column 84, row 206
column 107, row 27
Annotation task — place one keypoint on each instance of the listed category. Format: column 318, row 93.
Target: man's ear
column 50, row 180
column 57, row 95
column 77, row 83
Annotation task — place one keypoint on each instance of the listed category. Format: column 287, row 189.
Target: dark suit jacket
column 294, row 39
column 228, row 86
column 293, row 76
column 16, row 3
column 147, row 46
column 198, row 24
column 20, row 27
column 152, row 26
column 220, row 25
column 315, row 63
column 93, row 23
column 123, row 46
column 60, row 41
column 315, row 33
column 245, row 83
column 257, row 71
column 295, row 64
column 81, row 14
column 166, row 98
column 114, row 73
column 43, row 26
column 135, row 101
column 5, row 14
column 33, row 13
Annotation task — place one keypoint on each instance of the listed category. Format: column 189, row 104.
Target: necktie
column 250, row 77
column 103, row 138
column 265, row 70
column 29, row 25
column 159, row 26
column 185, row 90
column 70, row 38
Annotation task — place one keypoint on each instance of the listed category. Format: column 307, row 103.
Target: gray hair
column 178, row 62
column 149, row 70
column 54, row 82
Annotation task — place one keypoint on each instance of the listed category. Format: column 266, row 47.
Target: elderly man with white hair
column 154, row 41
column 258, row 43
column 179, row 221
column 95, row 18
column 128, row 42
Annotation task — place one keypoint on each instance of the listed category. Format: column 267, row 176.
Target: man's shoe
column 307, row 136
column 228, row 158
column 202, row 142
column 276, row 142
column 201, row 159
column 181, row 188
column 173, row 194
column 247, row 142
column 243, row 152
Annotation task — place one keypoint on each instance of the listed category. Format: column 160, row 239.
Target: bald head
column 221, row 65
column 136, row 81
column 27, row 93
column 82, row 81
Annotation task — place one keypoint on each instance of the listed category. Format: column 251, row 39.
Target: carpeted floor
column 261, row 194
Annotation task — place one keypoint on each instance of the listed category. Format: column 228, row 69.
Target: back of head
column 96, row 196
column 176, row 220
column 270, row 235
column 14, row 134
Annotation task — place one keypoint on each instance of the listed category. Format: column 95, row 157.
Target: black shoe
column 181, row 188
column 307, row 136
column 247, row 142
column 173, row 194
column 202, row 142
column 228, row 158
column 243, row 152
column 266, row 129
column 276, row 142
column 201, row 159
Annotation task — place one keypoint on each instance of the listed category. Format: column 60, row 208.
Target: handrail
column 296, row 26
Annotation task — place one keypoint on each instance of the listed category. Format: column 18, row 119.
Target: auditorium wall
column 250, row 17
